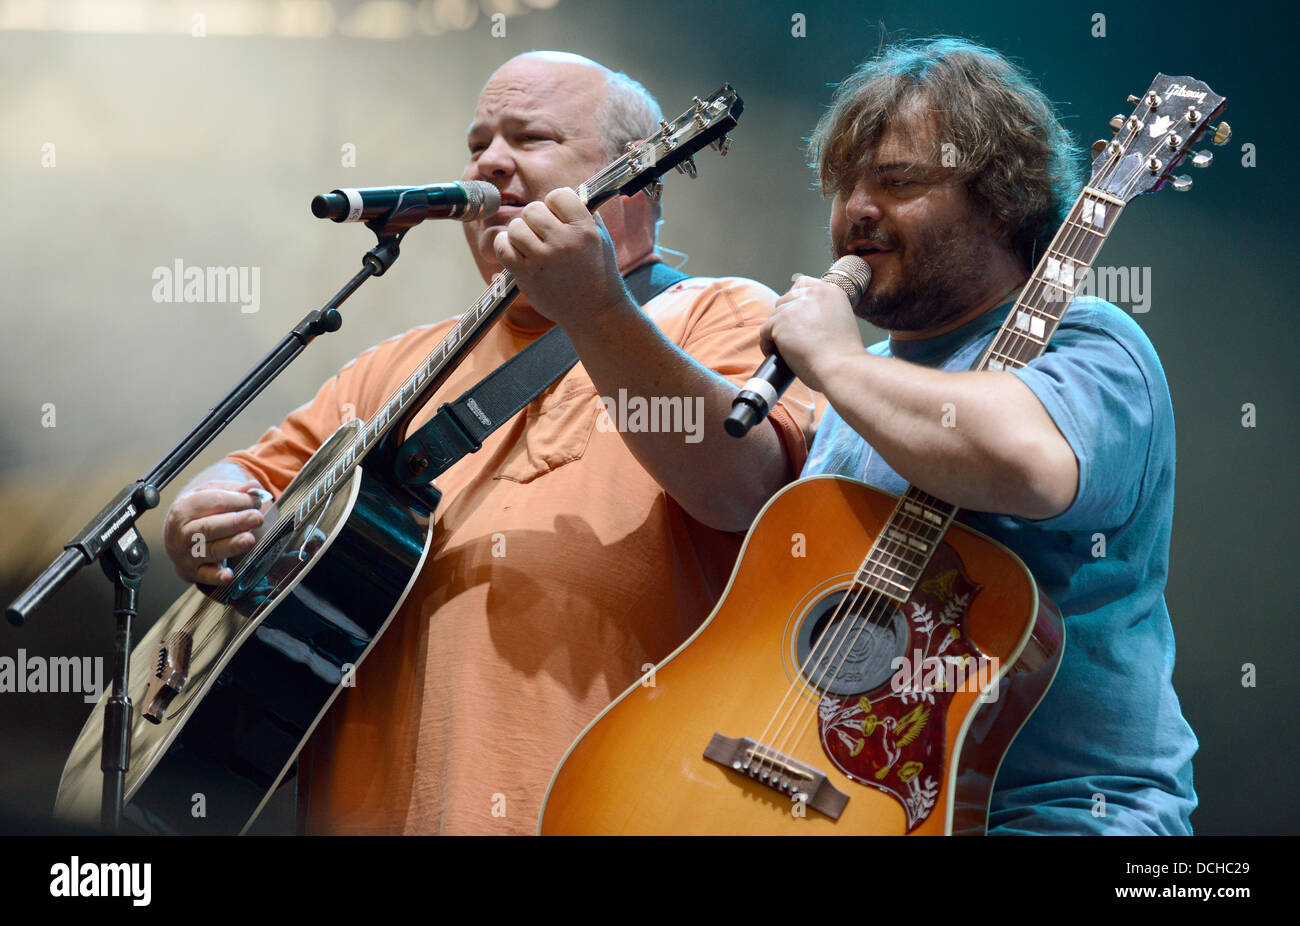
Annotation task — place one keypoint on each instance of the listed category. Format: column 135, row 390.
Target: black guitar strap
column 460, row 426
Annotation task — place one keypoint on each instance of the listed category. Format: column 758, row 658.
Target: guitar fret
column 1030, row 324
column 1082, row 227
column 908, row 524
column 1021, row 347
column 883, row 555
column 883, row 565
column 915, row 532
column 879, row 564
column 900, row 533
column 1102, row 196
column 923, row 511
column 866, row 572
column 912, row 541
column 888, row 586
column 999, row 361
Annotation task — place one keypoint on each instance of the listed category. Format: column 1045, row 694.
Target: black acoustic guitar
column 228, row 684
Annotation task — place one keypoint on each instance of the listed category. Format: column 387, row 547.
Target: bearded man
column 949, row 174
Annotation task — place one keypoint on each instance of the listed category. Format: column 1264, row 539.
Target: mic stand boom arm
column 111, row 537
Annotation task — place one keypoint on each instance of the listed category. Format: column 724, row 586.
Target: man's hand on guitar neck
column 213, row 518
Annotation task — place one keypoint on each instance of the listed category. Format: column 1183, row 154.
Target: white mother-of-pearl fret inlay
column 901, row 536
column 1031, row 323
column 1094, row 213
column 1061, row 271
column 917, row 511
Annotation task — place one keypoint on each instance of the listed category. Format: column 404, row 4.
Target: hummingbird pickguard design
column 892, row 738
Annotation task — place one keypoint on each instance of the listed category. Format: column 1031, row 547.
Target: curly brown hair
column 1012, row 152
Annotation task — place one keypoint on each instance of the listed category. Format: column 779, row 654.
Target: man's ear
column 640, row 220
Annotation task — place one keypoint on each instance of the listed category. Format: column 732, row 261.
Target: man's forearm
column 977, row 439
column 718, row 480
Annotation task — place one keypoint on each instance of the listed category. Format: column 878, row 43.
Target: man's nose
column 495, row 161
column 862, row 204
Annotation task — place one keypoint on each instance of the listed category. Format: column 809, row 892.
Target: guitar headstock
column 706, row 123
column 1168, row 120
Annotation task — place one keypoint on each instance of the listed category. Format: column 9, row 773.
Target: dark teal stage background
column 209, row 149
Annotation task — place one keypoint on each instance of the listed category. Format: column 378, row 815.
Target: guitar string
column 1069, row 240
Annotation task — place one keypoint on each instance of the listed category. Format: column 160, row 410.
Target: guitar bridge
column 783, row 774
column 170, row 673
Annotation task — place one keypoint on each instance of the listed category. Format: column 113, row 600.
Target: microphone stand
column 111, row 537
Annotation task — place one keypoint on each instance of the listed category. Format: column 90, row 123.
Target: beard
column 936, row 279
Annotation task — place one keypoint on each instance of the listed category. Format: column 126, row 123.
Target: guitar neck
column 1051, row 287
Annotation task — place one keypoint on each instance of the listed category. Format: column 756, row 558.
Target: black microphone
column 751, row 405
column 466, row 200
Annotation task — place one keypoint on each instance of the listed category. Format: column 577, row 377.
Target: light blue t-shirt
column 1110, row 724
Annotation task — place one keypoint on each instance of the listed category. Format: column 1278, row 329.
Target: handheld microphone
column 465, row 200
column 751, row 405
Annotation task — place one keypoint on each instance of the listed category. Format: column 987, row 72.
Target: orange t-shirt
column 558, row 571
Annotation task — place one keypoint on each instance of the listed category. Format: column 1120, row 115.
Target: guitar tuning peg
column 1133, row 99
column 1116, row 122
column 654, row 189
column 687, row 167
column 721, row 145
column 1182, row 183
column 1098, row 147
column 1222, row 134
column 1202, row 158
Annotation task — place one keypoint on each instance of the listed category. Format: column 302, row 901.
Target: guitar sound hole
column 855, row 655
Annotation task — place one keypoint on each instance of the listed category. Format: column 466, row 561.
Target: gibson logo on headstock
column 1181, row 90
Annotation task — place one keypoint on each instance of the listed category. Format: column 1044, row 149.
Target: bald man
column 567, row 556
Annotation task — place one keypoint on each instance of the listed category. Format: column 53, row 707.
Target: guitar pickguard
column 892, row 738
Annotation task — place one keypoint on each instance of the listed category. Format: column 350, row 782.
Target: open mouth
column 863, row 247
column 867, row 251
column 509, row 208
